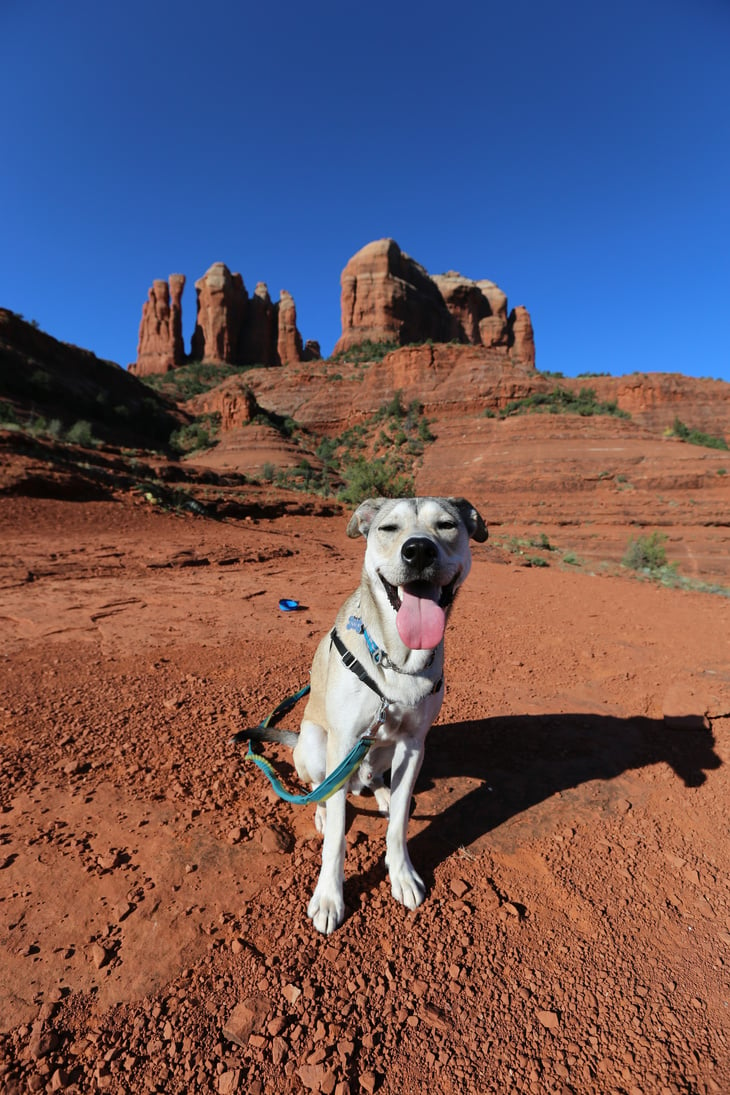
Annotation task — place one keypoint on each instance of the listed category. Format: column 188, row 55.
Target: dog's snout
column 419, row 552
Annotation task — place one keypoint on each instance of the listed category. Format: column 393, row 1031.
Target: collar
column 379, row 657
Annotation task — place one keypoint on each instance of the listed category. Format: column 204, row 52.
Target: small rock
column 279, row 1050
column 316, row 1078
column 459, row 887
column 274, row 840
column 98, row 955
column 276, row 1025
column 123, row 910
column 247, row 1016
column 548, row 1019
column 228, row 1081
column 369, row 1082
column 42, row 1044
column 291, row 993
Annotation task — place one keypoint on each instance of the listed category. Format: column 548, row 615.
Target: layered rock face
column 231, row 327
column 388, row 297
column 160, row 346
column 232, row 399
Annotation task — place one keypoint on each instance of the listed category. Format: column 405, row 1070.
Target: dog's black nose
column 419, row 552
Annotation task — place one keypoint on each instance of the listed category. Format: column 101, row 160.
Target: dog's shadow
column 479, row 775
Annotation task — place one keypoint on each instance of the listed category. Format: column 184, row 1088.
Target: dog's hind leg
column 382, row 797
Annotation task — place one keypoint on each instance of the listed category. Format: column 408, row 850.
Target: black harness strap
column 356, row 667
column 353, row 664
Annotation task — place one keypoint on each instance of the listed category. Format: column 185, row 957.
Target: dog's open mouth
column 420, row 609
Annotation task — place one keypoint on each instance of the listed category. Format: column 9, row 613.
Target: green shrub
column 365, row 351
column 563, row 401
column 190, row 438
column 696, row 437
column 80, row 433
column 646, row 553
column 191, row 379
column 378, row 477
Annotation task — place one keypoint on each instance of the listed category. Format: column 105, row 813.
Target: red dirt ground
column 571, row 821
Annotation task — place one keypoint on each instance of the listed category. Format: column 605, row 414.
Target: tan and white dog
column 380, row 672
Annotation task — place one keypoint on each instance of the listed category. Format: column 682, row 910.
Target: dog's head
column 416, row 558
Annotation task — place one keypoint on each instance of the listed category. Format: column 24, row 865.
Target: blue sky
column 578, row 154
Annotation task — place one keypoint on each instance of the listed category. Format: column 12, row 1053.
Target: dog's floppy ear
column 472, row 519
column 364, row 516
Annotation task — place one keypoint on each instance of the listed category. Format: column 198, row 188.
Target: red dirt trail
column 571, row 821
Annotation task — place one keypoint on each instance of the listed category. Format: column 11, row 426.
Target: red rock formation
column 222, row 307
column 237, row 330
column 160, row 347
column 258, row 339
column 497, row 299
column 387, row 297
column 312, row 350
column 232, row 399
column 521, row 337
column 289, row 342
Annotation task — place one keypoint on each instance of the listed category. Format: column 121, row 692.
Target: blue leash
column 335, row 780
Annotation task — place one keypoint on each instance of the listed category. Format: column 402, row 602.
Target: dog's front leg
column 406, row 885
column 327, row 907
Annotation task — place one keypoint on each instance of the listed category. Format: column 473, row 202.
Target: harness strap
column 353, row 664
column 356, row 667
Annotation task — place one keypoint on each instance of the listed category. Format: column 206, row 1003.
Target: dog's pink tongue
column 421, row 621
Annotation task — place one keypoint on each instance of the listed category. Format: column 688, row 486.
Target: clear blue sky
column 576, row 153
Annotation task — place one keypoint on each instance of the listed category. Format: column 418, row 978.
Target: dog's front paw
column 326, row 910
column 407, row 887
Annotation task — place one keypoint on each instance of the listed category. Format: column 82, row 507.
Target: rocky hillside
column 44, row 380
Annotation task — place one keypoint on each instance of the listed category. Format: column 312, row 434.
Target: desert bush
column 563, row 401
column 365, row 351
column 646, row 553
column 379, row 477
column 696, row 437
column 191, row 438
column 188, row 380
column 81, row 433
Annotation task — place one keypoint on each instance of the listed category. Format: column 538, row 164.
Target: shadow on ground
column 479, row 775
column 523, row 761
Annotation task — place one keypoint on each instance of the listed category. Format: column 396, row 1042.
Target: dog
column 379, row 673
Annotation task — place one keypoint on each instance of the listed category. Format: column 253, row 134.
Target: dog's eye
column 445, row 526
column 388, row 528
